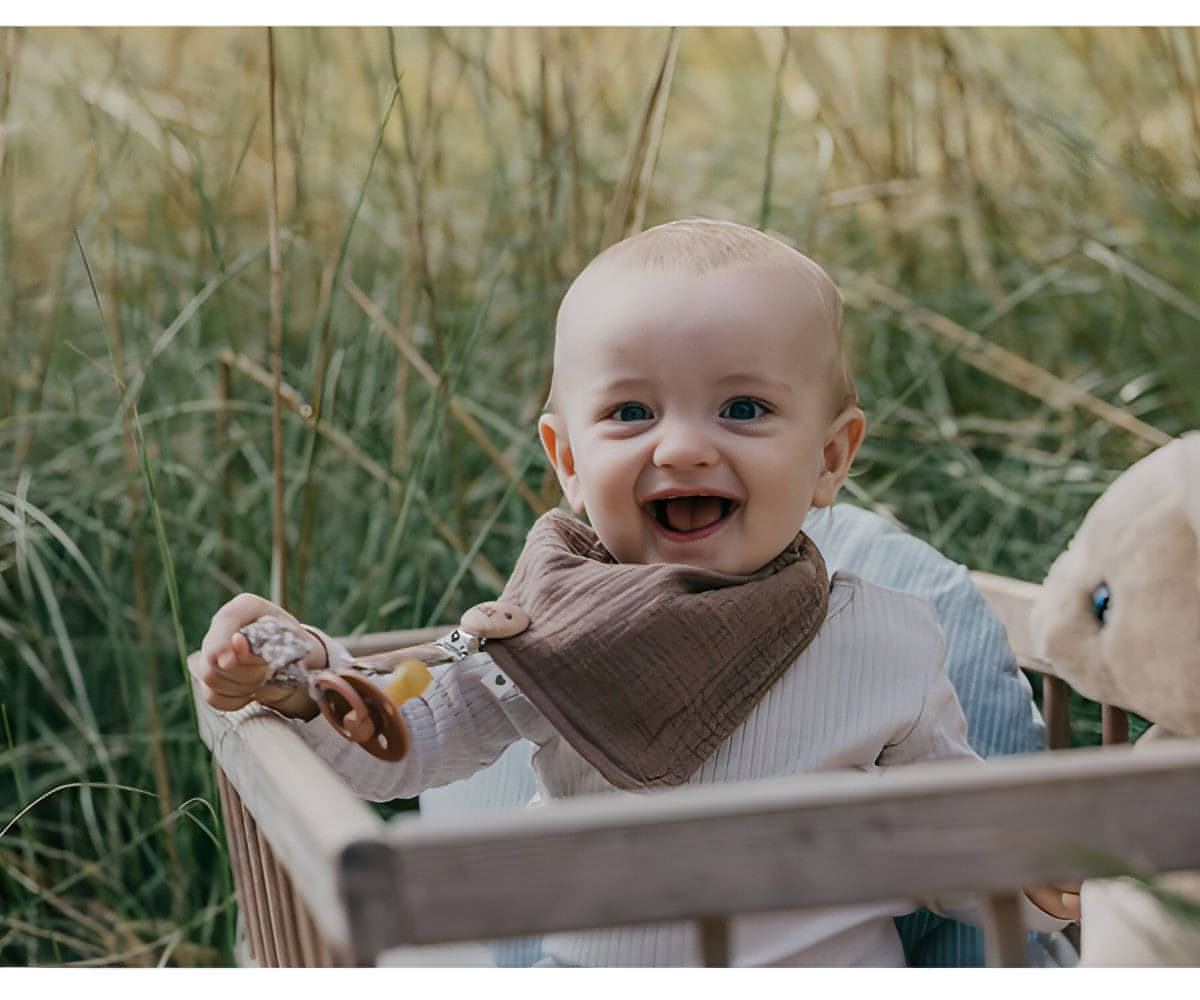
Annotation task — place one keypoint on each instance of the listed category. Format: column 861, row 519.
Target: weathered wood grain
column 1003, row 931
column 298, row 804
column 703, row 852
column 1011, row 601
column 813, row 840
column 380, row 642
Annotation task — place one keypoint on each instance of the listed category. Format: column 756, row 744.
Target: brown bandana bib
column 645, row 669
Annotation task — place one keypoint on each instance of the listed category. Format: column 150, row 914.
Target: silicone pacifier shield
column 363, row 714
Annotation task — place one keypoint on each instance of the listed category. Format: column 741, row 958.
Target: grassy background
column 1036, row 189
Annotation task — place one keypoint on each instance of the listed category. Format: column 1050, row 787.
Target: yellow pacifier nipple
column 409, row 680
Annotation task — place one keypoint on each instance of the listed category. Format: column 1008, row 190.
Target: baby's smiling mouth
column 685, row 514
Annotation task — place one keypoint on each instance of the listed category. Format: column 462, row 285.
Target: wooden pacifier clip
column 358, row 708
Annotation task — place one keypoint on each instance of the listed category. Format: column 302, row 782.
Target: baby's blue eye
column 629, row 412
column 743, row 409
column 1101, row 602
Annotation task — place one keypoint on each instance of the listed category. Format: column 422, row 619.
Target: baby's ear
column 552, row 429
column 841, row 445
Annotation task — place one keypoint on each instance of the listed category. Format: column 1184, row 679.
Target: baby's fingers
column 231, row 674
column 234, row 615
column 238, row 657
column 1060, row 901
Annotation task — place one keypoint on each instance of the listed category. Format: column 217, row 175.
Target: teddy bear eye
column 1101, row 602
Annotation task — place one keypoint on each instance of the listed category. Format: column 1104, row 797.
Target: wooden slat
column 380, row 642
column 283, row 914
column 715, row 946
column 1114, row 725
column 268, row 952
column 303, row 809
column 1004, row 931
column 244, row 878
column 356, row 886
column 1011, row 601
column 310, row 939
column 821, row 839
column 1056, row 710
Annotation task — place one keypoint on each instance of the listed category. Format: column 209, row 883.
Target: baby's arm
column 232, row 676
column 462, row 722
column 940, row 732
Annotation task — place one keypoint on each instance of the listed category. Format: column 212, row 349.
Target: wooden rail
column 1010, row 601
column 321, row 880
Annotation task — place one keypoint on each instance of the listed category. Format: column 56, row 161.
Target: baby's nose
column 682, row 444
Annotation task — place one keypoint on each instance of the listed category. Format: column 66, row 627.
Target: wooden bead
column 495, row 620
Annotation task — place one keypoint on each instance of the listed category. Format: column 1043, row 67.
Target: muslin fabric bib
column 645, row 669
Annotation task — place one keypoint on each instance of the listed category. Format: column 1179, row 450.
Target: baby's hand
column 233, row 676
column 1060, row 901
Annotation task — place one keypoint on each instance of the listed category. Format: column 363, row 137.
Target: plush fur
column 1140, row 542
column 1141, row 539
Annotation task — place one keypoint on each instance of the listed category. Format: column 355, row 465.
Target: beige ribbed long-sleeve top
column 870, row 691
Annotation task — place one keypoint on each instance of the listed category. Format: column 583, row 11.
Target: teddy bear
column 1118, row 615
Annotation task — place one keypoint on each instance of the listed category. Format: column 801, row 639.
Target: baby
column 700, row 407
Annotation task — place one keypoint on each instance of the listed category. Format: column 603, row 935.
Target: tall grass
column 1011, row 213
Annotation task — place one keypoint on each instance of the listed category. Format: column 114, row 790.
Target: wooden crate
column 322, row 880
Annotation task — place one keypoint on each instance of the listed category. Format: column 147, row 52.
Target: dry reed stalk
column 24, row 874
column 58, row 938
column 430, row 167
column 135, row 493
column 764, row 207
column 1189, row 83
column 8, row 296
column 324, row 353
column 998, row 362
column 278, row 539
column 220, row 443
column 41, row 364
column 965, row 180
column 316, row 394
column 400, row 442
column 288, row 396
column 830, row 99
column 654, row 146
column 941, row 128
column 546, row 129
column 577, row 219
column 512, row 53
column 1106, row 75
column 420, row 238
column 793, row 90
column 424, row 153
column 1152, row 283
column 643, row 150
column 423, row 369
column 896, row 81
column 9, row 45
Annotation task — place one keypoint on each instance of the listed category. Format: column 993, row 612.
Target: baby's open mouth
column 690, row 513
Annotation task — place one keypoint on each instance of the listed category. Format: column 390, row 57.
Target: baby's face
column 692, row 419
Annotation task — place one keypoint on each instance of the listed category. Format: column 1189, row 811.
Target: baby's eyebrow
column 616, row 386
column 755, row 380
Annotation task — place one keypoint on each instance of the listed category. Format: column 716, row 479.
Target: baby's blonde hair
column 703, row 245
